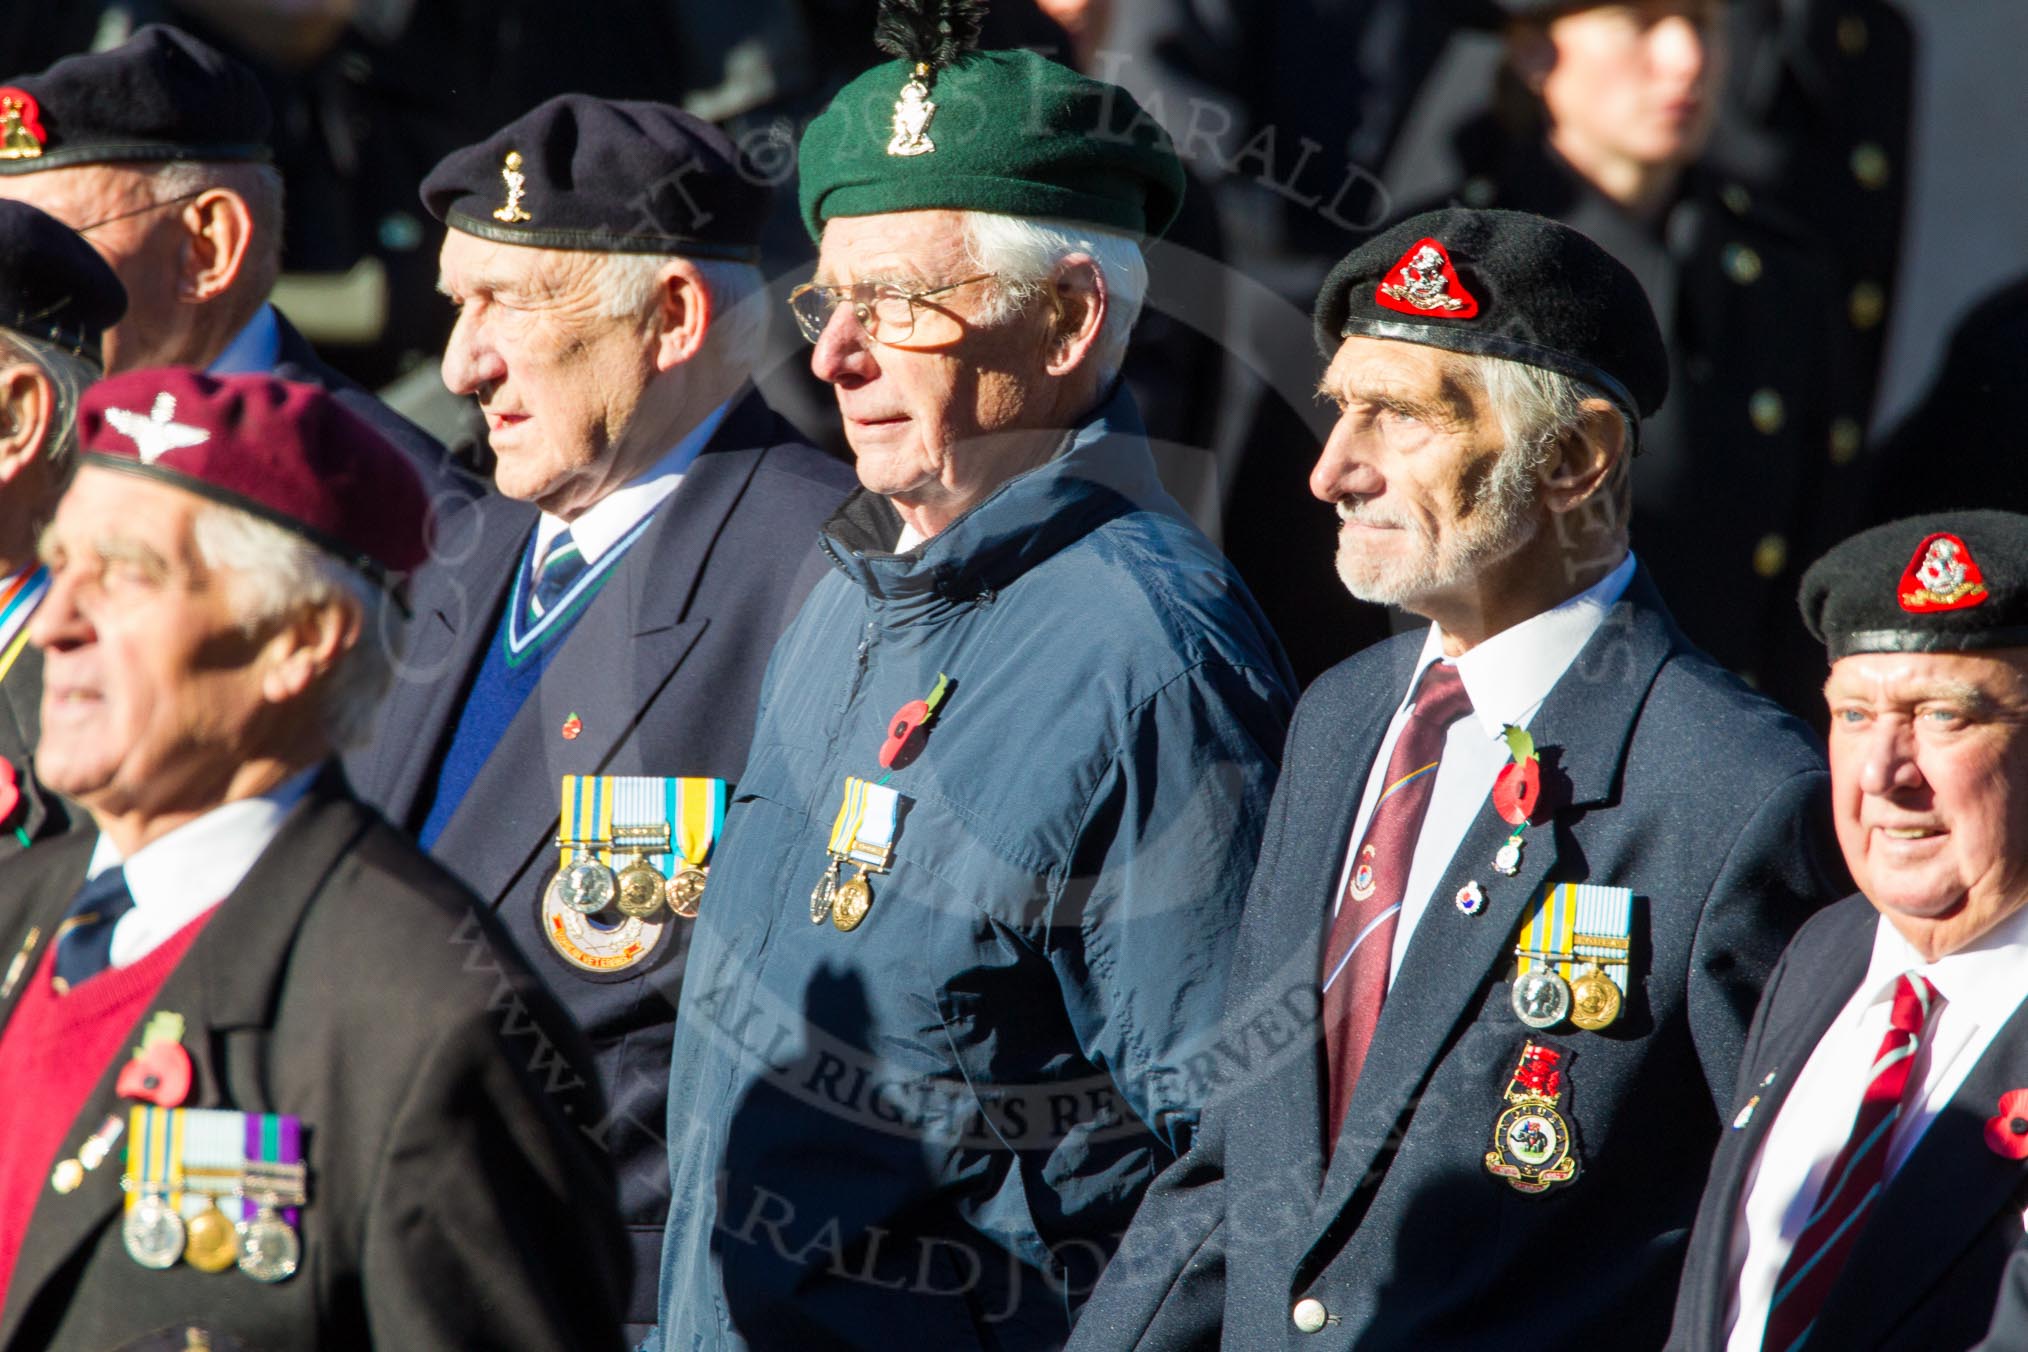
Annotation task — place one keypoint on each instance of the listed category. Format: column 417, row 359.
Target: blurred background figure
column 1602, row 117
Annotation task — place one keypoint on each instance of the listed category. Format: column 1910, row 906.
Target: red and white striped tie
column 1855, row 1176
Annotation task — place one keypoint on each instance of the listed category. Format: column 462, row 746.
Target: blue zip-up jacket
column 931, row 1130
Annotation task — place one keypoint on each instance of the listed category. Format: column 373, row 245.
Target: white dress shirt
column 1507, row 677
column 606, row 522
column 179, row 876
column 1981, row 986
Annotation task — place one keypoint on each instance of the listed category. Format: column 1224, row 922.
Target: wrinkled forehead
column 913, row 245
column 80, row 194
column 468, row 265
column 1995, row 677
column 107, row 507
column 1382, row 369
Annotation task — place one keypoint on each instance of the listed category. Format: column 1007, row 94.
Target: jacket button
column 1310, row 1315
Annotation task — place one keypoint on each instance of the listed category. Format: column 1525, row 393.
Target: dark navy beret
column 1946, row 582
column 53, row 285
column 616, row 177
column 160, row 95
column 1502, row 284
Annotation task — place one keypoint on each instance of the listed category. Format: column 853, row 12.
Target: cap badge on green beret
column 932, row 34
column 510, row 212
column 1941, row 576
column 21, row 133
column 912, row 114
column 1429, row 284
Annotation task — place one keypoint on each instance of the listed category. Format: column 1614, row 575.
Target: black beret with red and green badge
column 1945, row 582
column 1502, row 284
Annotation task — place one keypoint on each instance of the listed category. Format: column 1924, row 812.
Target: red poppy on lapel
column 2007, row 1133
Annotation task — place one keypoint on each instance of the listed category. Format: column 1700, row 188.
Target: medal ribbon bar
column 1580, row 925
column 864, row 830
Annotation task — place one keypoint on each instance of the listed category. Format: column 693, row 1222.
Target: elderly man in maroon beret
column 262, row 1065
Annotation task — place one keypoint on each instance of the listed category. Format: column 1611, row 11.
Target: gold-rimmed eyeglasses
column 886, row 312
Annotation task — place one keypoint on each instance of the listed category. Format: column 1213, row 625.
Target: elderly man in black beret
column 1873, row 1183
column 157, row 151
column 57, row 299
column 591, row 641
column 951, row 999
column 1526, row 870
column 263, row 1066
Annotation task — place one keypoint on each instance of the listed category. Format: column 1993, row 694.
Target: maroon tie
column 1361, row 942
column 1855, row 1177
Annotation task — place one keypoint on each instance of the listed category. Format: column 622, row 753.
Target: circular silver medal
column 268, row 1248
column 1541, row 998
column 586, row 887
column 153, row 1234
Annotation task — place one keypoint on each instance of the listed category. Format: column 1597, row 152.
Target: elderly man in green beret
column 951, row 1000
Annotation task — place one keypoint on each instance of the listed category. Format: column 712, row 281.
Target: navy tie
column 561, row 567
column 84, row 941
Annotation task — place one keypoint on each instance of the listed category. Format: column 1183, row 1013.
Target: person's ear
column 218, row 229
column 305, row 647
column 684, row 313
column 27, row 411
column 1081, row 301
column 1582, row 463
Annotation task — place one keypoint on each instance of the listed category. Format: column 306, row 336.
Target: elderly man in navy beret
column 1872, row 1186
column 158, row 152
column 591, row 640
column 262, row 1064
column 1526, row 870
column 57, row 299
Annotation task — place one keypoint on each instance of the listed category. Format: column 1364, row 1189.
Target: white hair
column 258, row 185
column 739, row 310
column 69, row 376
column 1538, row 407
column 278, row 574
column 1024, row 252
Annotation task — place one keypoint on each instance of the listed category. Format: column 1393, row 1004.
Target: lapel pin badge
column 1471, row 899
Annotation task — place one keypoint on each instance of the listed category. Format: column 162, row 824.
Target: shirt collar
column 204, row 859
column 254, row 349
column 606, row 522
column 1509, row 675
column 1982, row 979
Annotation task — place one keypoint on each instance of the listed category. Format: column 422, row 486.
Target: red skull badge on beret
column 1942, row 576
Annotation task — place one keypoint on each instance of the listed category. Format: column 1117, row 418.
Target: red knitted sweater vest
column 53, row 1052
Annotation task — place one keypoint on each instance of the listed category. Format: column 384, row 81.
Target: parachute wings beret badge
column 931, row 34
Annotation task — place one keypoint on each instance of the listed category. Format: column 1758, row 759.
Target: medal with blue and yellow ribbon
column 862, row 834
column 1572, row 957
column 628, row 845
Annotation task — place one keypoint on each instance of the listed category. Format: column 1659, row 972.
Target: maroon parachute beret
column 285, row 452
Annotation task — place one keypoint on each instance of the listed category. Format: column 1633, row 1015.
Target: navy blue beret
column 160, row 95
column 615, row 177
column 1502, row 284
column 1945, row 582
column 53, row 285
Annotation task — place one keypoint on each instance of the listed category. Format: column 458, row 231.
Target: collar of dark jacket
column 1106, row 471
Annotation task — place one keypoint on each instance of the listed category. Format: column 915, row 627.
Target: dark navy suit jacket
column 663, row 670
column 1927, row 1268
column 1664, row 774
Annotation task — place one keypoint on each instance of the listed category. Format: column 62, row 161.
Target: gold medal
column 1595, row 1000
column 851, row 902
column 211, row 1244
column 686, row 891
column 640, row 889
